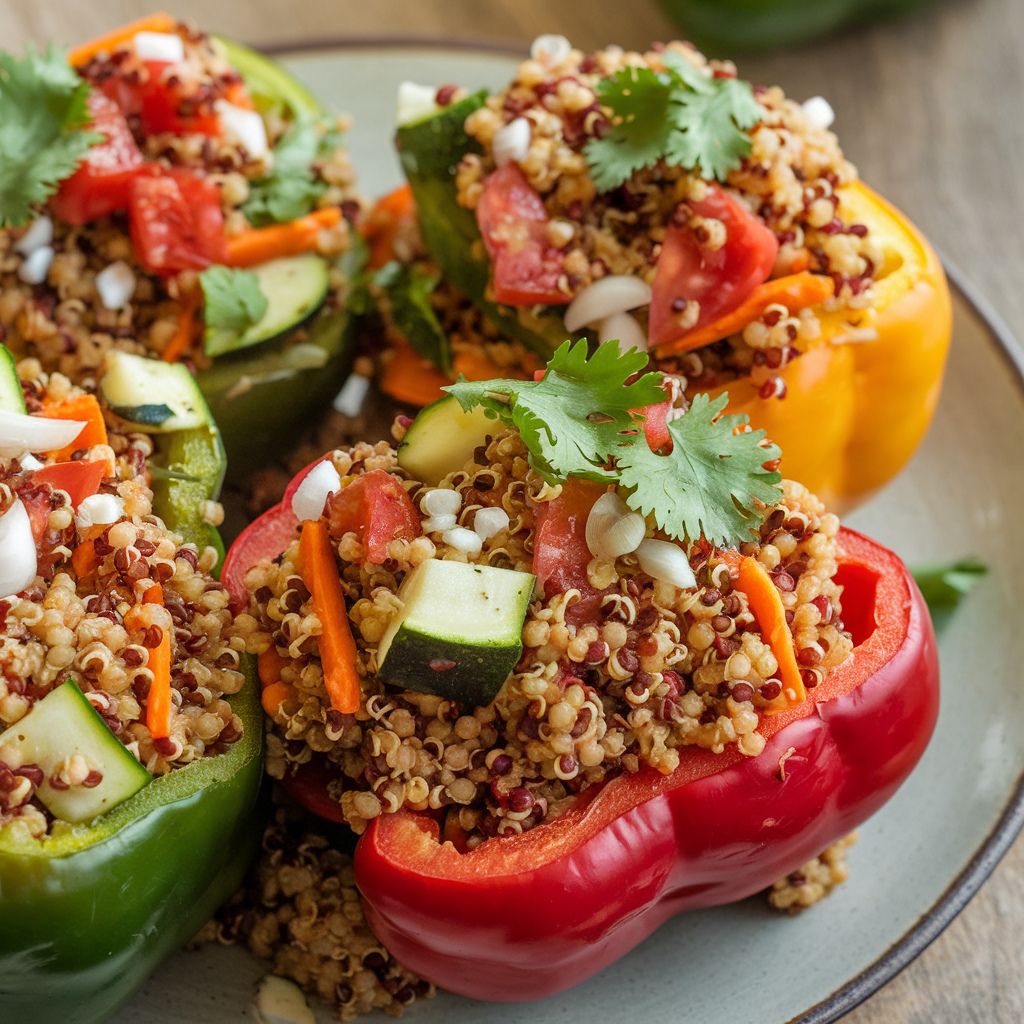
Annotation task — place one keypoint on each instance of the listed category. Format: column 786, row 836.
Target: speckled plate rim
column 934, row 921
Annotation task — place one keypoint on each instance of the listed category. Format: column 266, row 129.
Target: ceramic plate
column 924, row 855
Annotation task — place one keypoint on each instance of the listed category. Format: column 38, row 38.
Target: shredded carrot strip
column 181, row 343
column 158, row 700
column 84, row 559
column 158, row 22
column 269, row 665
column 385, row 222
column 275, row 695
column 258, row 245
column 408, row 377
column 337, row 647
column 794, row 291
column 86, row 409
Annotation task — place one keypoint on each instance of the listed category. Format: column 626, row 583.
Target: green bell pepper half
column 727, row 27
column 86, row 914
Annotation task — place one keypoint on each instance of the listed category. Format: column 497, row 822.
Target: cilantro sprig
column 44, row 131
column 679, row 115
column 232, row 302
column 408, row 288
column 583, row 419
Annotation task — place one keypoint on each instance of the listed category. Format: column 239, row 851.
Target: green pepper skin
column 727, row 27
column 86, row 916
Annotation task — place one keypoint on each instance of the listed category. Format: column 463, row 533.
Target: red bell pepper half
column 527, row 916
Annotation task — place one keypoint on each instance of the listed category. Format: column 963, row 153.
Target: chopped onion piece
column 616, row 293
column 819, row 112
column 463, row 540
column 415, row 101
column 624, row 329
column 317, row 486
column 36, row 265
column 38, row 234
column 665, row 561
column 349, row 400
column 17, row 551
column 162, row 46
column 550, row 50
column 29, row 463
column 20, row 433
column 246, row 126
column 441, row 523
column 116, row 285
column 512, row 142
column 441, row 501
column 279, row 1001
column 99, row 510
column 613, row 529
column 489, row 521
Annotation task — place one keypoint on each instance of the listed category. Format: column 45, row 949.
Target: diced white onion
column 819, row 112
column 245, row 126
column 99, row 510
column 665, row 561
column 616, row 293
column 38, row 234
column 162, row 46
column 317, row 486
column 116, row 285
column 489, row 521
column 550, row 49
column 439, row 523
column 349, row 400
column 29, row 463
column 20, row 433
column 511, row 142
column 17, row 551
column 414, row 101
column 612, row 528
column 36, row 265
column 441, row 501
column 281, row 1002
column 624, row 329
column 463, row 540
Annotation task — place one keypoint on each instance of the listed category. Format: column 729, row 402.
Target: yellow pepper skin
column 858, row 403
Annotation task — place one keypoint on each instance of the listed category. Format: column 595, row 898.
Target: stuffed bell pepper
column 658, row 200
column 130, row 728
column 571, row 658
column 175, row 195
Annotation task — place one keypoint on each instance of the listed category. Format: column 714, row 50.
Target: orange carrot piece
column 794, row 291
column 800, row 261
column 158, row 700
column 269, row 665
column 110, row 41
column 274, row 696
column 258, row 245
column 408, row 377
column 84, row 559
column 385, row 222
column 764, row 601
column 337, row 646
column 86, row 409
column 181, row 343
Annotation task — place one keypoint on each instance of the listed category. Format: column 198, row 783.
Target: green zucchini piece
column 459, row 631
column 442, row 439
column 64, row 723
column 154, row 397
column 430, row 150
column 12, row 398
column 295, row 287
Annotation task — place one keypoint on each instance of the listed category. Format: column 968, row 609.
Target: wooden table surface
column 929, row 109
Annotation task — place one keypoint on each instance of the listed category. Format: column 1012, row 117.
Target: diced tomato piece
column 80, row 479
column 376, row 507
column 525, row 266
column 159, row 106
column 719, row 279
column 102, row 183
column 36, row 499
column 307, row 785
column 176, row 222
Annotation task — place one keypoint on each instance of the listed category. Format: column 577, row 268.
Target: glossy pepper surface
column 562, row 901
column 87, row 914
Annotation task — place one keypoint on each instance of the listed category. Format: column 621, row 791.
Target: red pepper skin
column 527, row 916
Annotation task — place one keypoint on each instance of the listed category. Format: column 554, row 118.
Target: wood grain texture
column 930, row 110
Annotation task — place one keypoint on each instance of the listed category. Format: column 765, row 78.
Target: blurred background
column 929, row 101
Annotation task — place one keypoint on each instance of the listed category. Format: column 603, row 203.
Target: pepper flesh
column 559, row 903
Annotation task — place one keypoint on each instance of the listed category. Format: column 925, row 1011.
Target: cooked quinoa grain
column 813, row 881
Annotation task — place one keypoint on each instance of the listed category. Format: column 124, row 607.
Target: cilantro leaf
column 233, row 302
column 711, row 482
column 43, row 129
column 578, row 417
column 944, row 587
column 291, row 190
column 681, row 115
column 408, row 290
